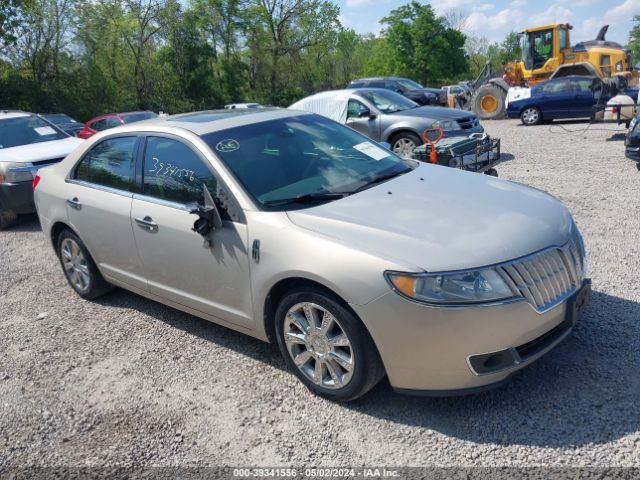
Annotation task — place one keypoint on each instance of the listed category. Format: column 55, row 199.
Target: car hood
column 434, row 113
column 40, row 151
column 440, row 219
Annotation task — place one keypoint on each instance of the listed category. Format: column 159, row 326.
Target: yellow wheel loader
column 547, row 53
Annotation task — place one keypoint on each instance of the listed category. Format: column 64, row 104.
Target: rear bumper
column 17, row 197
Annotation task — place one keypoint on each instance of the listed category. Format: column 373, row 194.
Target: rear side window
column 174, row 172
column 98, row 125
column 109, row 163
column 111, row 123
column 557, row 87
column 376, row 84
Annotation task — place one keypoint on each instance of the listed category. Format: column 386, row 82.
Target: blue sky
column 495, row 18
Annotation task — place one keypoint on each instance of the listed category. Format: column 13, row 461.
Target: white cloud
column 553, row 14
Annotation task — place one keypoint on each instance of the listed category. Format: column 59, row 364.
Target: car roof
column 368, row 79
column 111, row 115
column 201, row 123
column 6, row 114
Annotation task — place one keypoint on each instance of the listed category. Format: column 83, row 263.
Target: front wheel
column 326, row 346
column 403, row 144
column 488, row 102
column 531, row 116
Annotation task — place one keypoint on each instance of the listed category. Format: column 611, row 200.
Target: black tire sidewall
column 366, row 362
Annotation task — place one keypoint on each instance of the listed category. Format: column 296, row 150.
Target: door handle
column 74, row 203
column 148, row 223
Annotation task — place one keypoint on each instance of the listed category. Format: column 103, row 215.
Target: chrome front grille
column 548, row 277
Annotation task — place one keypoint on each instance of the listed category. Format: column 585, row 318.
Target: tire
column 403, row 144
column 531, row 116
column 491, row 172
column 488, row 102
column 7, row 218
column 340, row 372
column 79, row 268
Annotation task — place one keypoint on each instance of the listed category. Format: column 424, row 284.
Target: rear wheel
column 531, row 116
column 7, row 218
column 79, row 268
column 404, row 143
column 488, row 102
column 326, row 346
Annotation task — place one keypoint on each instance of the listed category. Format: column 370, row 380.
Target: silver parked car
column 294, row 229
column 387, row 116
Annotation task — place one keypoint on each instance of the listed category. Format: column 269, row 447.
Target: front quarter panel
column 288, row 251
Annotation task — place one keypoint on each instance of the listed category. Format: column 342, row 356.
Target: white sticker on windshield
column 372, row 151
column 45, row 131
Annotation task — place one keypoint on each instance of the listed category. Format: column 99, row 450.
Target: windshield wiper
column 307, row 198
column 380, row 179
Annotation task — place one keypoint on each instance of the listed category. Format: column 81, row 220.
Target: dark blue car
column 564, row 97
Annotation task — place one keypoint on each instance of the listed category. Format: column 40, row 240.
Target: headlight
column 447, row 125
column 456, row 288
column 12, row 172
column 632, row 123
column 582, row 250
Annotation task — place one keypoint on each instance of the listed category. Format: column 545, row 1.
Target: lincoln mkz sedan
column 297, row 230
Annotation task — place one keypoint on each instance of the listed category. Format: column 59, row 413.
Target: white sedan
column 27, row 143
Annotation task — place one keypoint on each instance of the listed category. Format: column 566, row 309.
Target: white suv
column 27, row 143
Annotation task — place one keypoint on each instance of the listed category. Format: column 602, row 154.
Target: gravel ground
column 126, row 381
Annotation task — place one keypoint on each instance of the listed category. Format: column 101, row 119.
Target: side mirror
column 365, row 114
column 208, row 216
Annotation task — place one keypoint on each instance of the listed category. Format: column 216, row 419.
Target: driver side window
column 355, row 109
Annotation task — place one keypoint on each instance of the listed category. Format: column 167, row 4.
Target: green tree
column 422, row 45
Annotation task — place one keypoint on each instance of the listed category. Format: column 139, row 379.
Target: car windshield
column 409, row 84
column 296, row 161
column 137, row 117
column 59, row 118
column 18, row 131
column 388, row 102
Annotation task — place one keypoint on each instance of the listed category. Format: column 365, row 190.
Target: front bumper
column 430, row 350
column 17, row 197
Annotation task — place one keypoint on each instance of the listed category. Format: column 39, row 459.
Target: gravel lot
column 126, row 381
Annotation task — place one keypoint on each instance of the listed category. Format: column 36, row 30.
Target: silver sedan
column 386, row 116
column 294, row 229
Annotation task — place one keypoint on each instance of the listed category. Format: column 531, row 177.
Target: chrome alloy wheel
column 318, row 345
column 75, row 264
column 404, row 147
column 530, row 116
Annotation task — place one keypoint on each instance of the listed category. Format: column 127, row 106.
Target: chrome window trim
column 103, row 188
column 159, row 201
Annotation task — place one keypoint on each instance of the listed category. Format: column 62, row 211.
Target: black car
column 406, row 87
column 64, row 122
column 632, row 141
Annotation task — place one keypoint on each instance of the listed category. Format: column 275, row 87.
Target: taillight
column 36, row 181
column 614, row 110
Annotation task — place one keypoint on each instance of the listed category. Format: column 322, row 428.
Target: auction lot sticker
column 371, row 150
